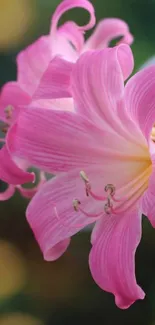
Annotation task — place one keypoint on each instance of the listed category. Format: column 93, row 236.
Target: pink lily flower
column 103, row 155
column 67, row 41
column 31, row 64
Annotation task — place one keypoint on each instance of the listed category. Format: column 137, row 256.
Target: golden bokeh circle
column 13, row 270
column 15, row 18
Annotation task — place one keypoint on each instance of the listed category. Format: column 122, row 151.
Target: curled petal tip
column 126, row 303
column 70, row 4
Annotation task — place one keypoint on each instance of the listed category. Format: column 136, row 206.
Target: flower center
column 112, row 204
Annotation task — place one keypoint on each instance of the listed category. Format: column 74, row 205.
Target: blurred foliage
column 35, row 292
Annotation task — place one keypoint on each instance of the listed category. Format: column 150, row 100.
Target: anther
column 110, row 188
column 76, row 204
column 86, row 181
column 8, row 112
column 84, row 177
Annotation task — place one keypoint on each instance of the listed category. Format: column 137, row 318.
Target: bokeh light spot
column 13, row 270
column 15, row 18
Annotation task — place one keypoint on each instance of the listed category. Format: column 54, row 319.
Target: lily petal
column 112, row 257
column 32, row 62
column 140, row 100
column 55, row 82
column 107, row 30
column 51, row 214
column 10, row 172
column 147, row 201
column 98, row 83
column 73, row 142
column 140, row 103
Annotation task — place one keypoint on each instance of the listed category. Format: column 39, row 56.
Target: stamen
column 80, row 225
column 86, row 181
column 97, row 197
column 109, row 189
column 135, row 195
column 119, row 200
column 108, row 206
column 88, row 187
column 108, row 199
column 76, row 207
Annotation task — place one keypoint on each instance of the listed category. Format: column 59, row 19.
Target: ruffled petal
column 28, row 193
column 51, row 214
column 61, row 46
column 112, row 257
column 32, row 62
column 8, row 193
column 55, row 82
column 68, row 39
column 58, row 140
column 140, row 100
column 10, row 172
column 12, row 95
column 98, row 84
column 70, row 4
column 107, row 30
column 71, row 32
